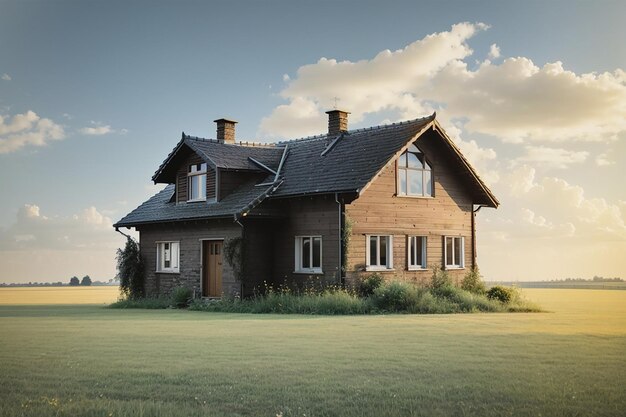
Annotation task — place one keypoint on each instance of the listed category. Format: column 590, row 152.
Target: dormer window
column 196, row 180
column 414, row 174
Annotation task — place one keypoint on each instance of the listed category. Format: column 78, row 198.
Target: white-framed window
column 196, row 182
column 454, row 252
column 168, row 255
column 414, row 174
column 416, row 252
column 379, row 252
column 308, row 254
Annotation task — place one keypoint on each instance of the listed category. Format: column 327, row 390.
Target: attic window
column 414, row 174
column 196, row 182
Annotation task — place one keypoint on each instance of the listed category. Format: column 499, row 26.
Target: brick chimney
column 225, row 130
column 337, row 121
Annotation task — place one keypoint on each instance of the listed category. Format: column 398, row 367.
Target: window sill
column 426, row 197
column 197, row 200
column 417, row 268
column 312, row 272
column 451, row 268
column 378, row 269
column 167, row 272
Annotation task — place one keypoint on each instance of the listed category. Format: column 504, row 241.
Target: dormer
column 209, row 170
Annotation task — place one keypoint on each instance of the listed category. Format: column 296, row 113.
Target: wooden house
column 397, row 199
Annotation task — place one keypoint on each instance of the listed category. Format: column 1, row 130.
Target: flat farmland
column 87, row 360
column 58, row 295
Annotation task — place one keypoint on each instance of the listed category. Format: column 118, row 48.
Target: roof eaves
column 171, row 155
column 467, row 165
column 257, row 201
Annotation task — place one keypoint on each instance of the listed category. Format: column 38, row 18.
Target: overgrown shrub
column 368, row 284
column 130, row 270
column 181, row 297
column 327, row 303
column 472, row 281
column 395, row 296
column 500, row 293
column 440, row 278
column 147, row 303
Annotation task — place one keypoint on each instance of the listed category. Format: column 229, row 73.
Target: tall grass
column 389, row 297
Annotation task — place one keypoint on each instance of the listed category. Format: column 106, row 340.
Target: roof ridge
column 249, row 144
column 362, row 129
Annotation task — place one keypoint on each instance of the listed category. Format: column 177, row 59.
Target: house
column 395, row 199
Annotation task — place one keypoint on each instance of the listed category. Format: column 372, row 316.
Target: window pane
column 449, row 251
column 193, row 187
column 415, row 182
column 373, row 242
column 306, row 252
column 413, row 161
column 203, row 167
column 413, row 148
column 419, row 251
column 428, row 183
column 202, row 186
column 402, row 179
column 412, row 250
column 317, row 252
column 383, row 251
column 457, row 251
column 174, row 255
column 402, row 160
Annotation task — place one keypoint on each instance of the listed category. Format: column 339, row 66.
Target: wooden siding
column 258, row 253
column 190, row 263
column 380, row 211
column 231, row 180
column 181, row 179
column 307, row 216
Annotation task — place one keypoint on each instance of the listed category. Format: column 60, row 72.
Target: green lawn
column 92, row 361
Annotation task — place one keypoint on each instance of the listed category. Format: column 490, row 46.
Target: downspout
column 122, row 233
column 340, row 271
column 474, row 235
column 242, row 257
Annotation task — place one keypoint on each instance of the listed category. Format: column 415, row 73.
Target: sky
column 94, row 95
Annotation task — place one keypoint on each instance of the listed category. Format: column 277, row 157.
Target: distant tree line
column 74, row 281
column 594, row 279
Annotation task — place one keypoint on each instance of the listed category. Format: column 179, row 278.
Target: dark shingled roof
column 160, row 209
column 356, row 156
column 316, row 165
column 229, row 156
column 222, row 155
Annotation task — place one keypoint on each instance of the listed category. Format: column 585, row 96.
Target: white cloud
column 515, row 100
column 87, row 229
column 27, row 129
column 553, row 157
column 554, row 201
column 388, row 82
column 522, row 102
column 603, row 160
column 6, row 77
column 96, row 130
column 494, row 51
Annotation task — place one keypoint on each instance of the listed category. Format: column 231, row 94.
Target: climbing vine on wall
column 346, row 234
column 233, row 252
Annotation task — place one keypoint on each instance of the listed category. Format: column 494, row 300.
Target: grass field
column 84, row 360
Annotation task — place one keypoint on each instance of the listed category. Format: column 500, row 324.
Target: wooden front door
column 212, row 268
